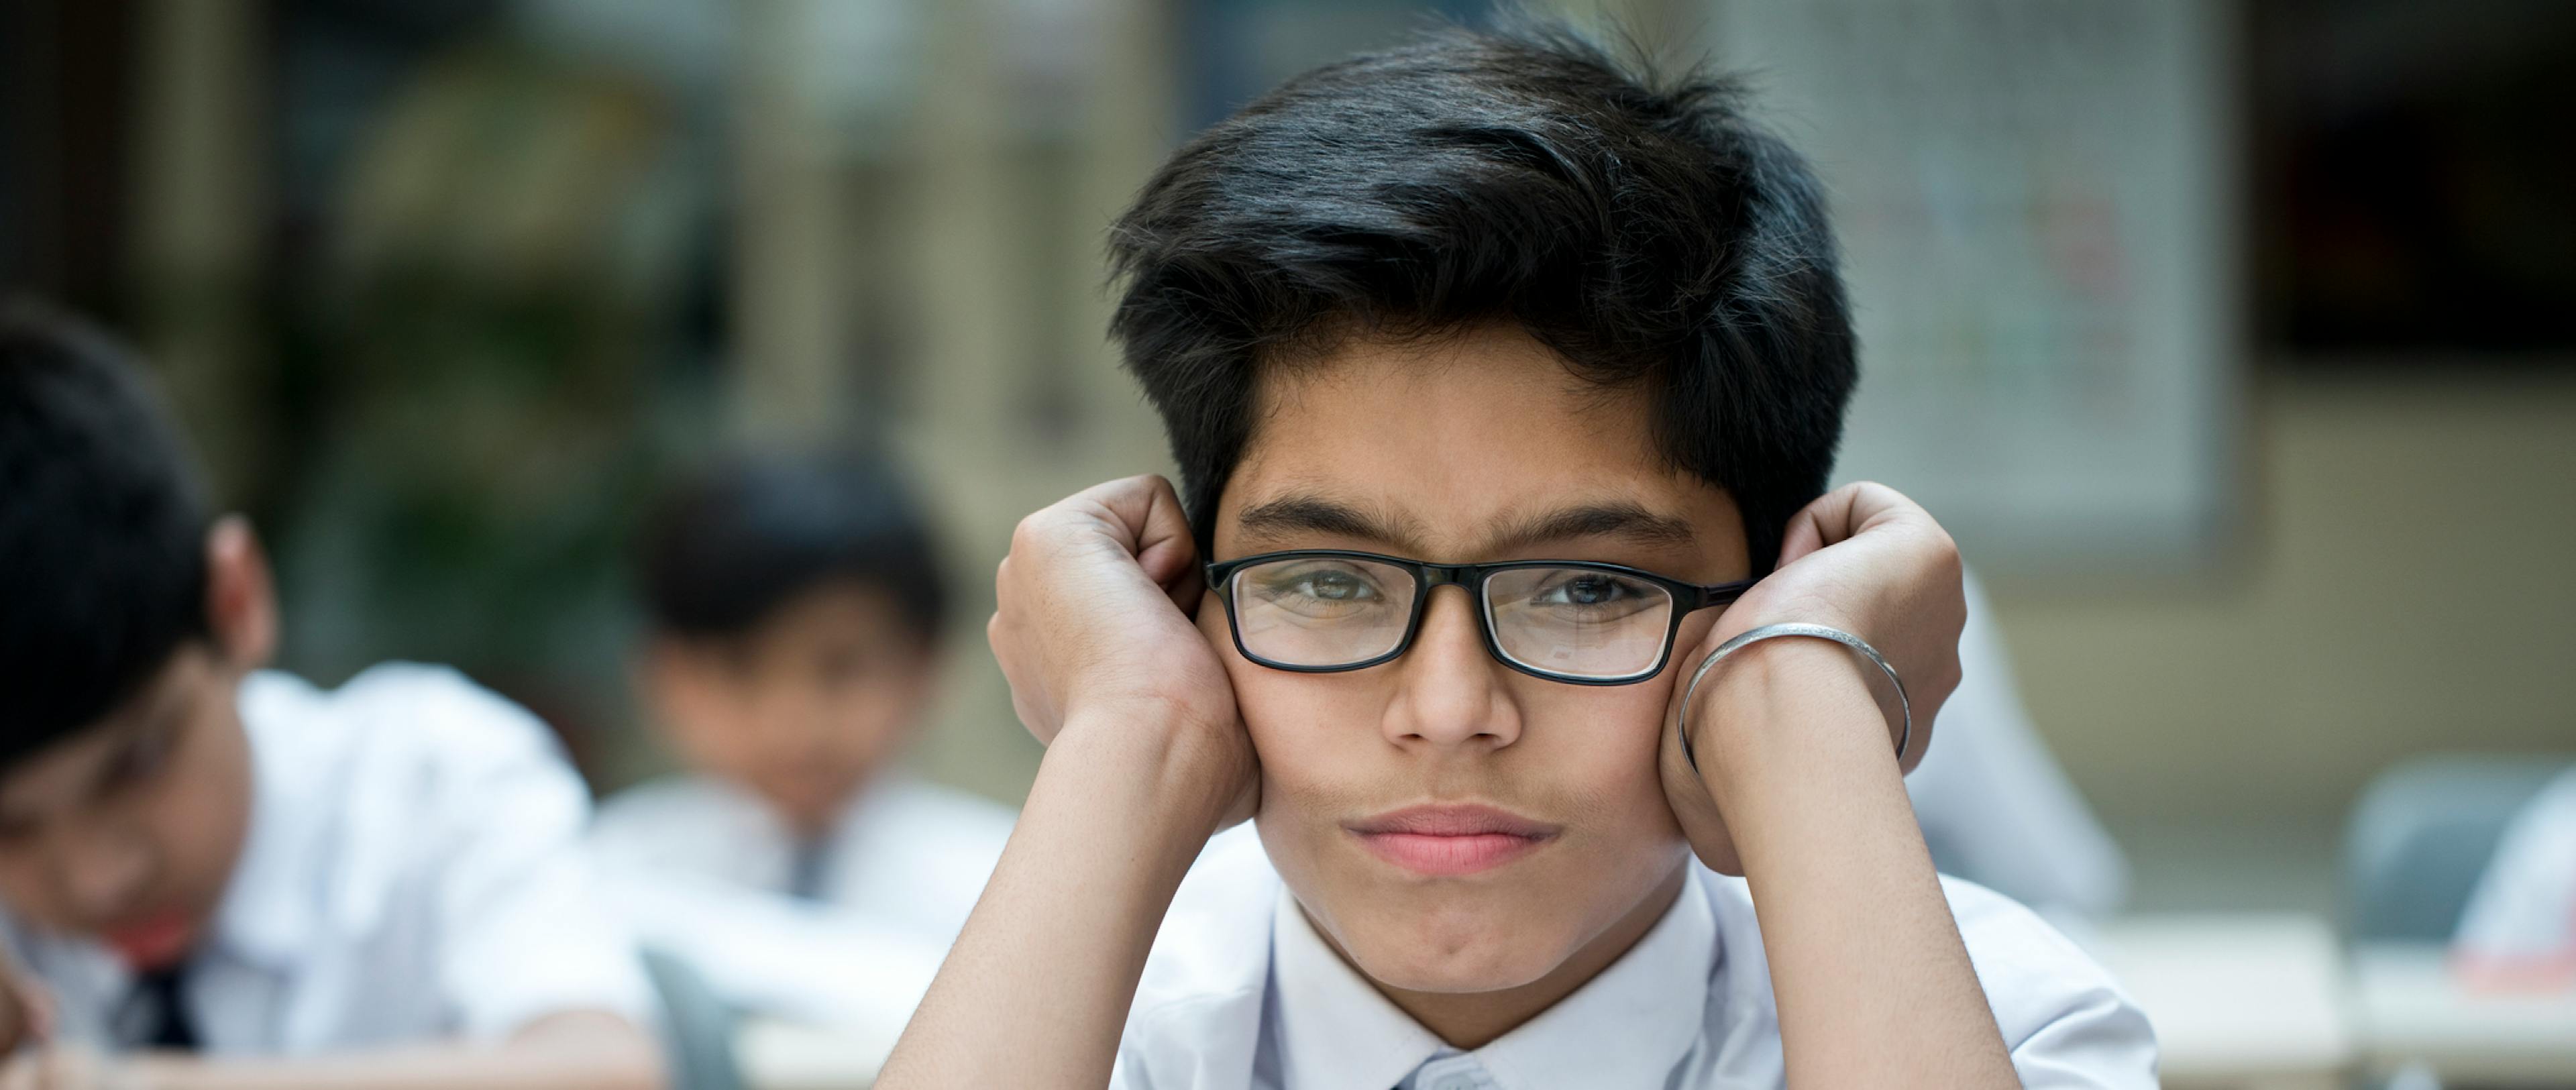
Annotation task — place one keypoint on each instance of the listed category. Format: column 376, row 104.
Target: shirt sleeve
column 519, row 904
column 1995, row 807
column 2064, row 1019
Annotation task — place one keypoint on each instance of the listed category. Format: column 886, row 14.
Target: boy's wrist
column 1183, row 777
column 1780, row 708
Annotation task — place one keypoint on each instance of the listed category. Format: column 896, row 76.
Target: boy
column 794, row 605
column 2518, row 931
column 219, row 876
column 1490, row 310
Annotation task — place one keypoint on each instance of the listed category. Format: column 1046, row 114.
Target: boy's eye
column 1591, row 596
column 1318, row 589
column 842, row 664
column 1587, row 590
column 139, row 761
column 1335, row 586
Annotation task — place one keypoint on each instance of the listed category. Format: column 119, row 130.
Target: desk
column 787, row 1056
column 2411, row 1010
column 2239, row 1001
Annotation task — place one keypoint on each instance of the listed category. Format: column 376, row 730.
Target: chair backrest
column 2422, row 835
column 697, row 1026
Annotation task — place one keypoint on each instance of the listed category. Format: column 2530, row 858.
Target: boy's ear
column 241, row 601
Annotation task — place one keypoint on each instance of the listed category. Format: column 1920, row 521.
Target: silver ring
column 1681, row 720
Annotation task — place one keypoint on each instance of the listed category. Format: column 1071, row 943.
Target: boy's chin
column 1454, row 957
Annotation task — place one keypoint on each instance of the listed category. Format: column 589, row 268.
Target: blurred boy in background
column 2519, row 929
column 794, row 606
column 217, row 875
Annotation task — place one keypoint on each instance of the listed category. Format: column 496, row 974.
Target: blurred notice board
column 2034, row 199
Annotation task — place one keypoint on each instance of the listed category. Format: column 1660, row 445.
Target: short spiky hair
column 102, row 530
column 1641, row 226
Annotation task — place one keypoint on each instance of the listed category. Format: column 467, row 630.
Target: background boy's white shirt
column 412, row 872
column 2523, row 912
column 1995, row 807
column 1209, row 1015
column 700, row 870
column 905, row 852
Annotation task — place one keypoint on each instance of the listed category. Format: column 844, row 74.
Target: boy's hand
column 1863, row 559
column 26, row 1008
column 1092, row 626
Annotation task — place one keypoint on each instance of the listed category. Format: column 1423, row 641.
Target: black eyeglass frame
column 1688, row 598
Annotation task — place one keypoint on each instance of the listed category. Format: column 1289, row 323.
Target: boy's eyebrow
column 1306, row 513
column 1614, row 519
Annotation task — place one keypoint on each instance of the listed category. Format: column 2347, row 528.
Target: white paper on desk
column 771, row 956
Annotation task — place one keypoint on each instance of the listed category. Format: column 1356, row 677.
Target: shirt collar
column 1336, row 1030
column 1631, row 1025
column 273, row 904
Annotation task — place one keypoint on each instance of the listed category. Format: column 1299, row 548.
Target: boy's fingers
column 1821, row 522
column 1143, row 516
column 27, row 1008
column 36, row 1004
column 1843, row 514
column 1165, row 547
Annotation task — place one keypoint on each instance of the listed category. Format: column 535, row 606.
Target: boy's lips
column 1451, row 840
column 152, row 942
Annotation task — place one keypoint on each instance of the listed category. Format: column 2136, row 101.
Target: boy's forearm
column 575, row 1051
column 1873, row 982
column 1036, row 990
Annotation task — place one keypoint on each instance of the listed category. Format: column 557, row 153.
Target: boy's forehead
column 1481, row 440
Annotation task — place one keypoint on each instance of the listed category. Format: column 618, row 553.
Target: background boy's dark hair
column 102, row 530
column 725, row 549
column 1640, row 226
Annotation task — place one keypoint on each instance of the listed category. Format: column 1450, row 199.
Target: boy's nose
column 1449, row 691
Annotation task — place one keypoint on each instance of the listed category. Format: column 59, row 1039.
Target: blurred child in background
column 794, row 605
column 218, row 875
column 2519, row 930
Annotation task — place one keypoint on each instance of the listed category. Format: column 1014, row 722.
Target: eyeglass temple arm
column 1718, row 594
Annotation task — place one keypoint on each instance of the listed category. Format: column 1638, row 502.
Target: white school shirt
column 1995, row 807
column 1240, row 994
column 412, row 872
column 701, row 869
column 2522, row 916
column 906, row 852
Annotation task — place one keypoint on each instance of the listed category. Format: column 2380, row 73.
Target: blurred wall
column 2406, row 584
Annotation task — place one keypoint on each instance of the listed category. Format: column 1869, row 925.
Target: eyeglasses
column 1321, row 611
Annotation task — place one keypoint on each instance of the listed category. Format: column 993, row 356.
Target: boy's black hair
column 102, row 530
column 1640, row 226
column 725, row 549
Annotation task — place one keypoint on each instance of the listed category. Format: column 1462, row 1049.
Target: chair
column 697, row 1027
column 2422, row 835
